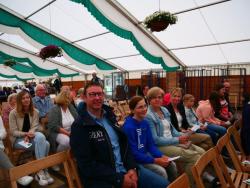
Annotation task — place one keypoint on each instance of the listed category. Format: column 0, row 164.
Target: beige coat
column 16, row 124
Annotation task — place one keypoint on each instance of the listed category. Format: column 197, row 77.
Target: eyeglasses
column 158, row 97
column 96, row 94
column 141, row 107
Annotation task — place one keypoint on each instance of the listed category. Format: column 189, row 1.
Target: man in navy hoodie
column 101, row 148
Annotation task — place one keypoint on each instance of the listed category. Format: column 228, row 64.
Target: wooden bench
column 235, row 179
column 36, row 165
column 238, row 124
column 209, row 157
column 233, row 133
column 181, row 182
column 17, row 156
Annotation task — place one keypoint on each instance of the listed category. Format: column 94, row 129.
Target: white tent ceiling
column 224, row 22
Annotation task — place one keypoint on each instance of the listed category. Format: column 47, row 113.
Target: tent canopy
column 109, row 36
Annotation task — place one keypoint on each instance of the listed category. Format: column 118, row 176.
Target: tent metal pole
column 202, row 6
column 33, row 13
column 211, row 44
column 187, row 47
column 93, row 36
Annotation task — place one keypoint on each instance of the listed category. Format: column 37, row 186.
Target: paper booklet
column 247, row 181
column 195, row 128
column 25, row 144
column 173, row 158
column 246, row 162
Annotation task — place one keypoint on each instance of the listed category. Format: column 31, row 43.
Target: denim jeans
column 220, row 131
column 170, row 172
column 5, row 163
column 149, row 179
column 217, row 128
column 213, row 134
column 39, row 144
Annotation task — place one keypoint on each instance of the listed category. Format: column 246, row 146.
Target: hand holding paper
column 246, row 162
column 195, row 128
column 173, row 158
column 25, row 144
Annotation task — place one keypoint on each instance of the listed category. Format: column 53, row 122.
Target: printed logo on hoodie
column 138, row 137
column 96, row 135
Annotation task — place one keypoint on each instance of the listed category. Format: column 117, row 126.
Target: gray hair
column 80, row 91
column 39, row 85
column 11, row 96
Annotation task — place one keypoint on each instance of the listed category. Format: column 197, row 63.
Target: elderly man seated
column 42, row 103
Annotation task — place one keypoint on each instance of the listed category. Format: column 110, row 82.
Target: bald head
column 40, row 91
column 227, row 86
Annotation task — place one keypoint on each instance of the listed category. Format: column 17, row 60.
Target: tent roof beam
column 211, row 44
column 202, row 6
column 33, row 13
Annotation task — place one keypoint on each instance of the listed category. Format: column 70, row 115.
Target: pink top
column 166, row 99
column 205, row 113
column 6, row 112
column 224, row 112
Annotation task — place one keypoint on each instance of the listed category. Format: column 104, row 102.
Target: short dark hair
column 214, row 99
column 219, row 86
column 144, row 86
column 90, row 84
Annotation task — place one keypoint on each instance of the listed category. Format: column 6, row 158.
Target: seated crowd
column 135, row 154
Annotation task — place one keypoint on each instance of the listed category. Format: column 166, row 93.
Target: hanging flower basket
column 50, row 51
column 9, row 62
column 159, row 20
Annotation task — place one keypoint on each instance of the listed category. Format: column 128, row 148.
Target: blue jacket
column 156, row 127
column 92, row 149
column 43, row 108
column 140, row 140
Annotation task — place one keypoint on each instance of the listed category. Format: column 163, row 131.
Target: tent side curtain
column 126, row 34
column 8, row 73
column 20, row 67
column 46, row 38
column 15, row 76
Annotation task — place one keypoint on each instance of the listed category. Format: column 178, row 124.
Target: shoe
column 216, row 183
column 208, row 177
column 41, row 178
column 230, row 170
column 25, row 180
column 49, row 178
column 56, row 168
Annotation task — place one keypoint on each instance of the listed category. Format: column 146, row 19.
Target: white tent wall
column 9, row 83
column 222, row 22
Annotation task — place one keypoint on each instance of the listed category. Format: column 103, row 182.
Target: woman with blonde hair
column 167, row 138
column 24, row 125
column 179, row 120
column 60, row 119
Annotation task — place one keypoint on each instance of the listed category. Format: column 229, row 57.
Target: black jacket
column 245, row 131
column 173, row 117
column 230, row 108
column 92, row 148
